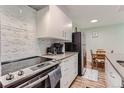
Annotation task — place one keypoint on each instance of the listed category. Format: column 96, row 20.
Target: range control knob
column 9, row 76
column 21, row 72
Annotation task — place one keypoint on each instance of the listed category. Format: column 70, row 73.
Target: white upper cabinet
column 53, row 23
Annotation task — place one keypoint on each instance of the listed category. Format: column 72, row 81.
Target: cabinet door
column 69, row 68
column 49, row 23
column 112, row 77
column 68, row 34
column 65, row 68
column 43, row 17
column 57, row 22
column 115, row 79
column 68, row 30
column 64, row 82
column 53, row 23
column 72, row 69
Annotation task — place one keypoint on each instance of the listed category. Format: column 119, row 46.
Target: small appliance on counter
column 58, row 47
column 55, row 48
column 51, row 50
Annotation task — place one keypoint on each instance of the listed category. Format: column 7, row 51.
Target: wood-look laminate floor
column 85, row 83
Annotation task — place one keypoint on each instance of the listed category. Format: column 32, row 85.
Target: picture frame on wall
column 94, row 34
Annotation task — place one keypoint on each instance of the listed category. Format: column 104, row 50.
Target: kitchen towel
column 55, row 76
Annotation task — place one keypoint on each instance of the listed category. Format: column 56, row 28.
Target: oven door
column 37, row 82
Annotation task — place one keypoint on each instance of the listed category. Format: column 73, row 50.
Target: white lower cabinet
column 69, row 67
column 113, row 79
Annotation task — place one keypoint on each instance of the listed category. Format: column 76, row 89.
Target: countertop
column 60, row 56
column 113, row 58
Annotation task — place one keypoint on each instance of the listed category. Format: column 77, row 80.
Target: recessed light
column 94, row 21
column 70, row 25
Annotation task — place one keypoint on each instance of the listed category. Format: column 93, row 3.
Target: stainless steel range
column 34, row 75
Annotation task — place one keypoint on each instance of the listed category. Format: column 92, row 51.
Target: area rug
column 91, row 74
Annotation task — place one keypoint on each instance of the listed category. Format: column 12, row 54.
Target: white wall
column 109, row 38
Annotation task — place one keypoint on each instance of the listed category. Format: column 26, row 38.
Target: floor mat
column 91, row 74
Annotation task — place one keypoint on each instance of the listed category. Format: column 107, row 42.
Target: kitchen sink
column 121, row 62
column 44, row 64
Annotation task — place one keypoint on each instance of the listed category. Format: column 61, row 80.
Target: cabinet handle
column 112, row 75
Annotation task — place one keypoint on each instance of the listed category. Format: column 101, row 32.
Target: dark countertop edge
column 115, row 69
column 7, row 62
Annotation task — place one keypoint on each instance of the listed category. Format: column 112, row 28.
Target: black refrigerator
column 75, row 46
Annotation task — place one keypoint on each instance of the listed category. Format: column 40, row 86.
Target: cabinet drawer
column 112, row 77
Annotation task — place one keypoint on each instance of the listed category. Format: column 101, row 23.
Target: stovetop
column 15, row 65
column 27, row 72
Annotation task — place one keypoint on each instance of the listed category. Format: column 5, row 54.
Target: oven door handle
column 36, row 82
column 30, row 85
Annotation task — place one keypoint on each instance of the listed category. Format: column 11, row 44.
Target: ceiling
column 106, row 14
column 83, row 14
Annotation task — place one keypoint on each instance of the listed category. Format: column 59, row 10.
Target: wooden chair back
column 92, row 56
column 100, row 51
column 100, row 56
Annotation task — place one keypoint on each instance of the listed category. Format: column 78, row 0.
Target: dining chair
column 100, row 58
column 92, row 59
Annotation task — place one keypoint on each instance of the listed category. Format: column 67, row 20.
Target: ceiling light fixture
column 70, row 25
column 94, row 21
